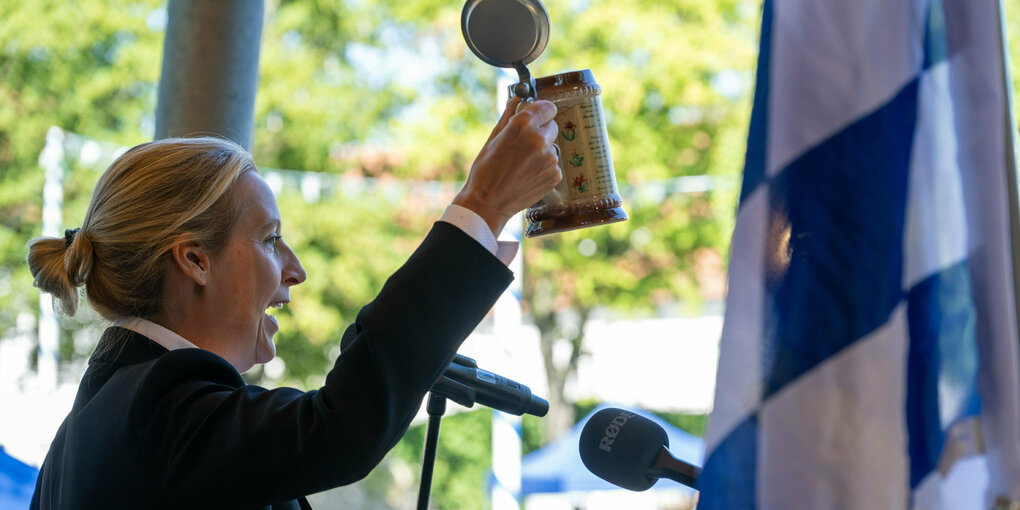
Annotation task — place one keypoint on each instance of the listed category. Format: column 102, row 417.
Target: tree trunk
column 561, row 412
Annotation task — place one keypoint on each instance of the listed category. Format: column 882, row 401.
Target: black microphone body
column 465, row 383
column 668, row 466
column 629, row 450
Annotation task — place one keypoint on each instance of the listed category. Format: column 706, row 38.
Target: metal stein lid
column 507, row 33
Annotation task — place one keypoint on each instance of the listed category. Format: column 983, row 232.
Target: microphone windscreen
column 620, row 446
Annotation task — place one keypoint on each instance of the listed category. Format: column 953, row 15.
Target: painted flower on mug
column 581, row 183
column 569, row 131
column 576, row 159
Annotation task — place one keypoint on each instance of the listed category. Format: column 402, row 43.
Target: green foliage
column 676, row 82
column 344, row 77
column 326, row 102
column 692, row 423
column 463, row 458
column 311, row 102
column 532, row 436
column 84, row 66
column 349, row 243
column 1012, row 22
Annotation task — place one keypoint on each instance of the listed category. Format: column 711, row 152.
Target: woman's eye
column 273, row 239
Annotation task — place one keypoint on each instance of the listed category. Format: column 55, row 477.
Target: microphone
column 629, row 450
column 464, row 383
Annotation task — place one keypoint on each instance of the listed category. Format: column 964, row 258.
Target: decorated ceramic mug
column 587, row 196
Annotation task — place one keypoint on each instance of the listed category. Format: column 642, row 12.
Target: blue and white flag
column 869, row 357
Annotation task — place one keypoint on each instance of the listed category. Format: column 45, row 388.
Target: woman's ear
column 192, row 260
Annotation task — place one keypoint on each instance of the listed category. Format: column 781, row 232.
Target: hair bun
column 69, row 235
column 78, row 257
column 49, row 259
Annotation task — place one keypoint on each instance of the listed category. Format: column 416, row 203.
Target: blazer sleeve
column 208, row 440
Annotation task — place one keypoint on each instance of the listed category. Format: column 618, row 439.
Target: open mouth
column 278, row 305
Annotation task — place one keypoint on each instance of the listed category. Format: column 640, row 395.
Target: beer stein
column 587, row 195
column 513, row 33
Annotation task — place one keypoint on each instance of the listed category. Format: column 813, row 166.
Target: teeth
column 277, row 306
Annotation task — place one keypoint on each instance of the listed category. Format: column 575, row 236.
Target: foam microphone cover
column 620, row 446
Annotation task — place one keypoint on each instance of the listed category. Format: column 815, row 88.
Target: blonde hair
column 154, row 197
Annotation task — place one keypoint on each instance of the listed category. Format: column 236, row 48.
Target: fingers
column 534, row 125
column 536, row 117
column 550, row 131
column 511, row 107
column 538, row 113
column 544, row 163
column 550, row 162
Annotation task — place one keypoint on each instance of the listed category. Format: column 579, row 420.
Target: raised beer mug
column 587, row 196
column 511, row 34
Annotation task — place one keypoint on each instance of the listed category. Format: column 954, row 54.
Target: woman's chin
column 265, row 350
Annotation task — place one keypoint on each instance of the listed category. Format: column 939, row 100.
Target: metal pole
column 436, row 407
column 1010, row 155
column 52, row 161
column 210, row 69
column 507, row 320
column 1007, row 424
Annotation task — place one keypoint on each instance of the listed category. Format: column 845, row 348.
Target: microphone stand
column 436, row 407
column 445, row 388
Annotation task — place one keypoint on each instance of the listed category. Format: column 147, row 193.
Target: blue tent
column 17, row 482
column 557, row 467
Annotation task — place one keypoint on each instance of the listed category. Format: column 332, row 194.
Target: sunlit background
column 368, row 115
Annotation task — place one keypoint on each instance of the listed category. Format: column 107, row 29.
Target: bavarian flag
column 869, row 356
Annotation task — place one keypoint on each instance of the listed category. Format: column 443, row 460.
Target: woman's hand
column 515, row 167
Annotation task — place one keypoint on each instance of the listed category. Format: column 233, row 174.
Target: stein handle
column 526, row 102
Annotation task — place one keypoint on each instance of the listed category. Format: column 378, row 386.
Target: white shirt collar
column 155, row 332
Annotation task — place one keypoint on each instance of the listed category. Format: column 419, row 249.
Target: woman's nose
column 293, row 273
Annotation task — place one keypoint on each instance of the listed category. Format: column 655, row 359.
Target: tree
column 85, row 67
column 1012, row 21
column 675, row 81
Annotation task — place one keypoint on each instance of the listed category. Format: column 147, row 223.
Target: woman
column 181, row 249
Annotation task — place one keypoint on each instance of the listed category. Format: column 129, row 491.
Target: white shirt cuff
column 474, row 226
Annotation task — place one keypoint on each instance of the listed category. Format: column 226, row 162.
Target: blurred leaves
column 348, row 244
column 387, row 89
column 84, row 66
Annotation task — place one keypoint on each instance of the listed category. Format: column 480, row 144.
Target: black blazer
column 152, row 428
